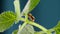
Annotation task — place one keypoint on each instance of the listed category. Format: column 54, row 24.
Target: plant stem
column 23, row 25
column 25, row 22
column 17, row 9
column 35, row 24
column 19, row 30
column 39, row 26
column 26, row 16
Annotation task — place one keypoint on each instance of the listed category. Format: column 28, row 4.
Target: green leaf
column 33, row 4
column 28, row 29
column 7, row 19
column 15, row 32
column 57, row 28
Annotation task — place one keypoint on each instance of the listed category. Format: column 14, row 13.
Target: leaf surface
column 6, row 20
column 31, row 4
column 57, row 28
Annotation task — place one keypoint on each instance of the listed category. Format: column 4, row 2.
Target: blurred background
column 46, row 13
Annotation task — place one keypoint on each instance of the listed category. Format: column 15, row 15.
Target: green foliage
column 28, row 29
column 57, row 28
column 30, row 5
column 15, row 32
column 33, row 4
column 6, row 20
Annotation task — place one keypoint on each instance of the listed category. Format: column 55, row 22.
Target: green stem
column 25, row 22
column 39, row 26
column 23, row 25
column 17, row 9
column 26, row 18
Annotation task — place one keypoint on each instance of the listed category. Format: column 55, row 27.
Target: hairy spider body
column 31, row 17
